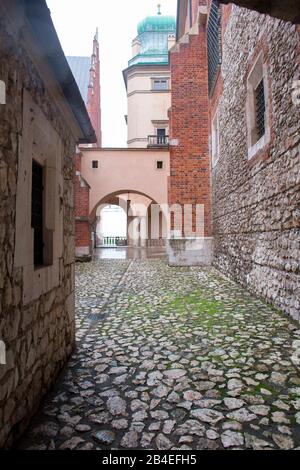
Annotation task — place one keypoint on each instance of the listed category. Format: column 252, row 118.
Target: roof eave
column 125, row 72
column 40, row 21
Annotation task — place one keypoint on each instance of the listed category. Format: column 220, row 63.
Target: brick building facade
column 253, row 139
column 189, row 152
column 82, row 204
column 86, row 71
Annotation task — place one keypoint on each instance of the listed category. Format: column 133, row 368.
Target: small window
column 37, row 212
column 190, row 8
column 215, row 146
column 260, row 109
column 160, row 84
column 95, row 164
column 258, row 126
column 159, row 165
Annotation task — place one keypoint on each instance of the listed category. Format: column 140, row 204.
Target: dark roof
column 80, row 67
column 39, row 18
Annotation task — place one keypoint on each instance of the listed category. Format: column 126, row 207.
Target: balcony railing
column 158, row 140
column 114, row 241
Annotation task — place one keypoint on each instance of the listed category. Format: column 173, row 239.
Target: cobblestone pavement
column 172, row 358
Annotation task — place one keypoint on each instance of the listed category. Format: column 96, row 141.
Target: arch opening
column 111, row 226
column 146, row 224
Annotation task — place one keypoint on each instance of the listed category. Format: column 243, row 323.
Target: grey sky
column 76, row 23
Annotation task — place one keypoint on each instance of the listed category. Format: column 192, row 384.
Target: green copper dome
column 153, row 38
column 157, row 23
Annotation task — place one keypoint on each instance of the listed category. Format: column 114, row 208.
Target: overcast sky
column 76, row 23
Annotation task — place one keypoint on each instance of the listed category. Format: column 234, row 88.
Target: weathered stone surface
column 283, row 442
column 130, row 440
column 116, row 406
column 105, row 437
column 242, row 415
column 192, row 395
column 207, row 415
column 255, row 199
column 233, row 403
column 72, row 443
column 232, row 439
column 174, row 374
column 191, row 427
column 37, row 321
column 163, row 443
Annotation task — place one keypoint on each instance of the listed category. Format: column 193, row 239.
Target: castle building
column 148, row 82
column 233, row 148
column 236, row 126
column 135, row 177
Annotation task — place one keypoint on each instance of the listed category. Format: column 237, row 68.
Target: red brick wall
column 190, row 166
column 94, row 93
column 82, row 234
column 81, row 199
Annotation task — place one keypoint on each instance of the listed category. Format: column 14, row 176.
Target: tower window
column 95, row 164
column 214, row 43
column 160, row 84
column 37, row 212
column 159, row 165
column 260, row 109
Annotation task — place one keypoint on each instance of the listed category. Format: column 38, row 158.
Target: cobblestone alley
column 172, row 358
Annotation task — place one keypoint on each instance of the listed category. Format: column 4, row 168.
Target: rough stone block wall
column 189, row 160
column 256, row 218
column 39, row 335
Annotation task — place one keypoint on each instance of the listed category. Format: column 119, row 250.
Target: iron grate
column 214, row 43
column 260, row 109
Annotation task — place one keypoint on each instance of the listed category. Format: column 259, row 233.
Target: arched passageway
column 145, row 223
column 106, row 176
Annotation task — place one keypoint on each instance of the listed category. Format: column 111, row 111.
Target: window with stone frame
column 215, row 140
column 258, row 132
column 214, row 44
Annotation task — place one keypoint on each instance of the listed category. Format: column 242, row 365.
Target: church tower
column 86, row 71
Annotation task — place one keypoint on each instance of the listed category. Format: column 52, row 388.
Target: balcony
column 156, row 141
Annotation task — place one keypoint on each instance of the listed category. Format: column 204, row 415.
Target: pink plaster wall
column 122, row 170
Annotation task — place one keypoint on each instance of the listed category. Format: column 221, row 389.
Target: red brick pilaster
column 190, row 163
column 81, row 196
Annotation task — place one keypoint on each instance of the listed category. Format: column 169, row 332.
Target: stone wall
column 256, row 219
column 36, row 314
